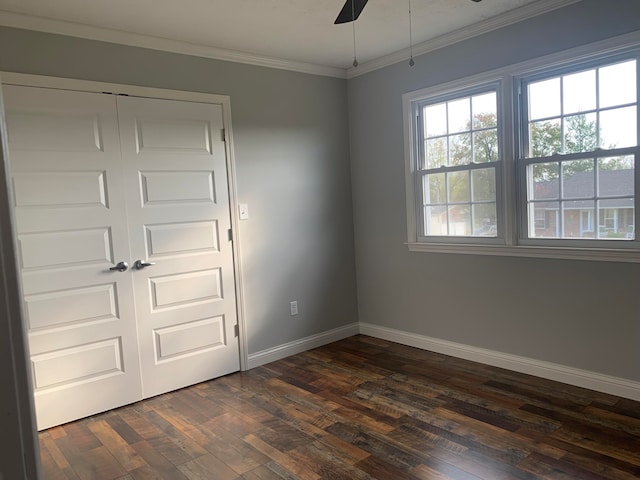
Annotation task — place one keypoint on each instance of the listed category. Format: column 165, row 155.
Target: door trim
column 23, row 457
column 28, row 80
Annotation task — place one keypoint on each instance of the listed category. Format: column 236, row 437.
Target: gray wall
column 292, row 160
column 575, row 313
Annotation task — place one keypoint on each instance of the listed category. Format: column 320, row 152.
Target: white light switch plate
column 244, row 211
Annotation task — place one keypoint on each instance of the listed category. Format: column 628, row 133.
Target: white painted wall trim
column 551, row 371
column 479, row 28
column 302, row 345
column 626, row 255
column 40, row 24
column 28, row 22
column 19, row 459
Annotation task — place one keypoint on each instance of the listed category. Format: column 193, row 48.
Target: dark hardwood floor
column 360, row 408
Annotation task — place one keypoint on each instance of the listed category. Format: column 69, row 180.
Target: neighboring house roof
column 612, row 183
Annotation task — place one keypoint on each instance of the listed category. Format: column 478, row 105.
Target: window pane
column 578, row 179
column 434, row 187
column 618, row 84
column 579, row 92
column 460, row 149
column 618, row 128
column 615, row 176
column 578, row 219
column 545, row 181
column 545, row 138
column 459, row 115
column 435, row 221
column 435, row 120
column 436, row 150
column 544, row 99
column 485, row 146
column 458, row 186
column 485, row 222
column 485, row 113
column 616, row 219
column 484, row 185
column 546, row 220
column 580, row 133
column 460, row 220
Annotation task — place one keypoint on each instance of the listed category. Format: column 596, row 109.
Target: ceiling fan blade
column 350, row 11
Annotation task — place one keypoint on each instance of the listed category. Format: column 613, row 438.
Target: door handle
column 120, row 267
column 140, row 264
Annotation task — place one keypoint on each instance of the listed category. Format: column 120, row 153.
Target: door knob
column 120, row 267
column 140, row 264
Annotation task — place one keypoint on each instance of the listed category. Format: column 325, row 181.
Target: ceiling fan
column 353, row 8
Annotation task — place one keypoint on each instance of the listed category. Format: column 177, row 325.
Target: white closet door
column 72, row 227
column 178, row 207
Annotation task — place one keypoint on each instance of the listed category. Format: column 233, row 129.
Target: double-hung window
column 536, row 159
column 458, row 164
column 579, row 154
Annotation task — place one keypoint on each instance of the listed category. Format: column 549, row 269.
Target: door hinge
column 223, row 135
column 230, row 234
column 236, row 330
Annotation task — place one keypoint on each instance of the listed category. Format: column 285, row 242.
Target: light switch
column 244, row 211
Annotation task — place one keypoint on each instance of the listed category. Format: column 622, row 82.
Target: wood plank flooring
column 361, row 408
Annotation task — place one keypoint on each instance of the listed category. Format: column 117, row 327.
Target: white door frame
column 11, row 78
column 22, row 455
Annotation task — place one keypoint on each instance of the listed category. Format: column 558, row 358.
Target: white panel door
column 178, row 206
column 71, row 226
column 97, row 180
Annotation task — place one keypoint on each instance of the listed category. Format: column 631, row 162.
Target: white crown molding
column 551, row 371
column 485, row 26
column 40, row 24
column 72, row 29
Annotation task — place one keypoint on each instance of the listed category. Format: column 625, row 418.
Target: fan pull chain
column 411, row 62
column 353, row 23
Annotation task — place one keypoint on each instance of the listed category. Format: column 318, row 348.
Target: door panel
column 76, row 305
column 64, row 189
column 178, row 206
column 71, row 227
column 181, row 238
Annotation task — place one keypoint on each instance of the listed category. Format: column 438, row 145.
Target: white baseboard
column 560, row 373
column 551, row 371
column 302, row 345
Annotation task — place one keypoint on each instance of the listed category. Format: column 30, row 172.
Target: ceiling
column 285, row 33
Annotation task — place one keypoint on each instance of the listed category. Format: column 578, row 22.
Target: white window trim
column 491, row 86
column 508, row 202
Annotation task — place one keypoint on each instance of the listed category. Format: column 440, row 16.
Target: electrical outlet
column 244, row 211
column 294, row 307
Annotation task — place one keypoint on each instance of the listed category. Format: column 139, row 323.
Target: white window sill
column 563, row 253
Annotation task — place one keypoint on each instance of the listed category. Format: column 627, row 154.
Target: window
column 543, row 163
column 459, row 157
column 580, row 145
